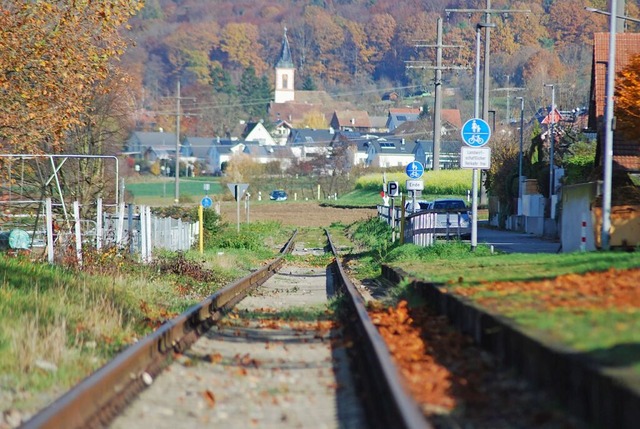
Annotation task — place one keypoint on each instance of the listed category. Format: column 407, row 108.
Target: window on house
column 285, row 81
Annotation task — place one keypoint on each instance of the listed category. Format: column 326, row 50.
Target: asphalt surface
column 515, row 242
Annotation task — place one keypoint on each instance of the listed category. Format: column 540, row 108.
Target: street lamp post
column 520, row 155
column 552, row 148
column 476, row 112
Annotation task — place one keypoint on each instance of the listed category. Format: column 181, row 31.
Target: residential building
column 351, row 120
column 256, row 132
column 398, row 116
column 140, row 142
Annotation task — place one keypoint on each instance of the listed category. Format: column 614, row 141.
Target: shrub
column 442, row 182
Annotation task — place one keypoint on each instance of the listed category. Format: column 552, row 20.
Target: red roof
column 452, row 116
column 404, row 110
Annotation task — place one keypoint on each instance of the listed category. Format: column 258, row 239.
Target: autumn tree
column 188, row 49
column 502, row 178
column 239, row 41
column 570, row 23
column 627, row 101
column 54, row 57
column 101, row 131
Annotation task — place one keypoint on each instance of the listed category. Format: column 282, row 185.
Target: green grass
column 475, row 267
column 611, row 336
column 77, row 321
column 165, row 188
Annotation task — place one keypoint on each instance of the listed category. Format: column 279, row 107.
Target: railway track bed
column 268, row 352
column 256, row 369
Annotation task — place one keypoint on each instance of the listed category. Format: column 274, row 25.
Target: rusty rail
column 387, row 401
column 96, row 400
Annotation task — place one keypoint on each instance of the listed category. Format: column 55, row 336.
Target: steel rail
column 392, row 406
column 96, row 400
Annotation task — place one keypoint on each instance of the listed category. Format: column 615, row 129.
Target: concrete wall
column 576, row 208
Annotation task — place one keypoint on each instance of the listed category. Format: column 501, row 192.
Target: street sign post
column 238, row 190
column 475, row 133
column 415, row 170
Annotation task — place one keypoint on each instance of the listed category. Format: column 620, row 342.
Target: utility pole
column 437, row 111
column 487, row 41
column 485, row 81
column 178, row 98
column 508, row 89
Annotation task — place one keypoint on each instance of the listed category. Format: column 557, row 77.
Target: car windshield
column 449, row 205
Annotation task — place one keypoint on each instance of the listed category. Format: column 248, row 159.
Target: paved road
column 512, row 242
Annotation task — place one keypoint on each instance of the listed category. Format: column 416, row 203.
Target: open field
column 297, row 214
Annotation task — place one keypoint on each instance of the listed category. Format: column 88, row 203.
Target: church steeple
column 285, row 71
column 285, row 60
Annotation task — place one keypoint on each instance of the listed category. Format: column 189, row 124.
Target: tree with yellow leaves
column 54, row 58
column 627, row 100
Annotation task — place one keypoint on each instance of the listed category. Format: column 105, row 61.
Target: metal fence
column 423, row 228
column 128, row 227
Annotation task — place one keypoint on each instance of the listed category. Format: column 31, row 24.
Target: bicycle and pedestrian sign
column 415, row 170
column 476, row 132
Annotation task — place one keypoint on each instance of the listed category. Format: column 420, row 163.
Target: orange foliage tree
column 54, row 58
column 627, row 100
column 240, row 42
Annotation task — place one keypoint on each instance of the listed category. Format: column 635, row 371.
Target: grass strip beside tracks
column 588, row 301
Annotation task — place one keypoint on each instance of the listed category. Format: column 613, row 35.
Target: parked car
column 420, row 205
column 452, row 210
column 278, row 195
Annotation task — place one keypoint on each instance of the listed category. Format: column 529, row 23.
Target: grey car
column 455, row 212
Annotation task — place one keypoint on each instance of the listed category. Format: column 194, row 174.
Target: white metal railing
column 130, row 227
column 424, row 227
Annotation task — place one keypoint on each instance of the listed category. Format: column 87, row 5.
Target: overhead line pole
column 485, row 82
column 177, row 165
column 437, row 111
column 487, row 40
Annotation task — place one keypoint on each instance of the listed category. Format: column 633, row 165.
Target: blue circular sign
column 415, row 170
column 476, row 132
column 206, row 202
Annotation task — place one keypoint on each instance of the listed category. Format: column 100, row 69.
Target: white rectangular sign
column 475, row 157
column 415, row 185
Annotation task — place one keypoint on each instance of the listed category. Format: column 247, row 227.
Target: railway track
column 250, row 368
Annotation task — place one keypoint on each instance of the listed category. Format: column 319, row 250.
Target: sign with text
column 415, row 185
column 475, row 157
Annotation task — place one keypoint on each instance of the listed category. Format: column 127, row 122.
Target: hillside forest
column 223, row 52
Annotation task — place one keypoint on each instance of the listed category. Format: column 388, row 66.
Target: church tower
column 285, row 74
